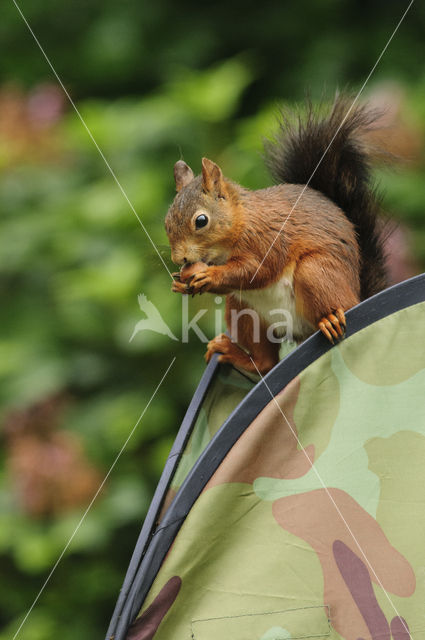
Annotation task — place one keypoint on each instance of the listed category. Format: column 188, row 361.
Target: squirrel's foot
column 221, row 344
column 233, row 354
column 333, row 325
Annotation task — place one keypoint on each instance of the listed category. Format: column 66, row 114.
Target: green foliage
column 75, row 257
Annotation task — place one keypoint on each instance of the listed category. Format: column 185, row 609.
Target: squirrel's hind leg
column 324, row 288
column 247, row 347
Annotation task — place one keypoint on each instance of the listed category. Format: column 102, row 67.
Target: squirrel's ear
column 183, row 174
column 212, row 178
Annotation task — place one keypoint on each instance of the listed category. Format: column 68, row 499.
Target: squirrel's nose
column 177, row 258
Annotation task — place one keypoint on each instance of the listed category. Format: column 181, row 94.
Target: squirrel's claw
column 341, row 317
column 179, row 287
column 333, row 325
column 200, row 282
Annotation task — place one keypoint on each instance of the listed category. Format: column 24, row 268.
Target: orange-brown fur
column 317, row 238
column 287, row 231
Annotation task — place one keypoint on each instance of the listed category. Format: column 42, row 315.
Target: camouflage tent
column 294, row 507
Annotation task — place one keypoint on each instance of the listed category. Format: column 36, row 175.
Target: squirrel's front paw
column 201, row 282
column 179, row 287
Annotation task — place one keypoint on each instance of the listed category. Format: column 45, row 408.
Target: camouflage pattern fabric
column 228, row 389
column 226, row 392
column 313, row 526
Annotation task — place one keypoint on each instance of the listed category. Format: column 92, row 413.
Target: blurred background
column 154, row 82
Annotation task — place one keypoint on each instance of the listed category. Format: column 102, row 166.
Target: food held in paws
column 188, row 270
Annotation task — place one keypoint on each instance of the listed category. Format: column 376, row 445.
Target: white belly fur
column 278, row 296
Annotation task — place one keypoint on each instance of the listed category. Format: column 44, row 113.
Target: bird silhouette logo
column 153, row 320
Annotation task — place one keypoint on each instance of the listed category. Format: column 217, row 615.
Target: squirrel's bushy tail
column 329, row 153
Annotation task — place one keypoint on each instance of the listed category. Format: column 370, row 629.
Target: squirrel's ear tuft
column 212, row 178
column 183, row 174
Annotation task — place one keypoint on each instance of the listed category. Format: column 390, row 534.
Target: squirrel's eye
column 201, row 221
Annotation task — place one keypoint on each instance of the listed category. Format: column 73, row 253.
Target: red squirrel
column 313, row 250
